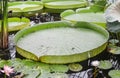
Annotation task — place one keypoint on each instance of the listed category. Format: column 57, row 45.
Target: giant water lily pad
column 61, row 42
column 87, row 16
column 61, row 5
column 15, row 24
column 65, row 4
column 23, row 7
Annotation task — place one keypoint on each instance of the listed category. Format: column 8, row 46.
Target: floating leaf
column 61, row 42
column 25, row 8
column 96, row 18
column 81, row 15
column 114, row 49
column 84, row 10
column 44, row 67
column 53, row 75
column 114, row 73
column 31, row 73
column 98, row 6
column 75, row 67
column 66, row 4
column 3, row 62
column 59, row 68
column 33, row 5
column 29, row 63
column 105, row 64
column 67, row 12
column 16, row 23
column 114, row 41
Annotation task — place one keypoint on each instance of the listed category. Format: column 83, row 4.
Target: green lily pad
column 61, row 42
column 31, row 73
column 114, row 49
column 105, row 64
column 53, row 75
column 59, row 6
column 96, row 18
column 66, row 4
column 59, row 68
column 114, row 73
column 19, row 65
column 114, row 41
column 15, row 24
column 75, row 67
column 33, row 69
column 84, row 10
column 67, row 12
column 3, row 62
column 99, row 6
column 21, row 7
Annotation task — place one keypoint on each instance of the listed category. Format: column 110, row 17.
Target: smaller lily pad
column 114, row 73
column 15, row 23
column 114, row 41
column 31, row 73
column 99, row 6
column 88, row 16
column 84, row 10
column 114, row 49
column 75, row 67
column 25, row 6
column 53, row 75
column 29, row 63
column 3, row 62
column 19, row 8
column 59, row 68
column 104, row 64
column 67, row 12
